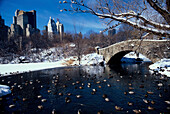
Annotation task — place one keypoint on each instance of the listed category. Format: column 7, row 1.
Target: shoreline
column 12, row 69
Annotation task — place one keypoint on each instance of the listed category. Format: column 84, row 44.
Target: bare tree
column 131, row 12
column 80, row 46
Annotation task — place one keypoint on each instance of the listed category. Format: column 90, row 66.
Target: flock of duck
column 81, row 85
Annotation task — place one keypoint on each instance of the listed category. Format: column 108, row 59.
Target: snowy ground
column 131, row 58
column 4, row 90
column 162, row 67
column 9, row 69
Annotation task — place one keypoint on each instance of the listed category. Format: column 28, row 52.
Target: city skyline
column 45, row 9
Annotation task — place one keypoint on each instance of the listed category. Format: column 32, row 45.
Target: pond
column 122, row 88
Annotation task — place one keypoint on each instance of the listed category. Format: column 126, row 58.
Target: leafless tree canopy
column 151, row 16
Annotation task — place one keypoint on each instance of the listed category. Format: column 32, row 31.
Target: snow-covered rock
column 91, row 59
column 4, row 90
column 162, row 66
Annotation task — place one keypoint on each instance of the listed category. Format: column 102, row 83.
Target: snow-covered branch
column 165, row 13
column 136, row 25
column 146, row 21
column 130, row 17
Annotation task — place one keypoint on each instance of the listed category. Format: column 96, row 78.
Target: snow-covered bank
column 162, row 67
column 90, row 59
column 131, row 58
column 4, row 90
column 9, row 69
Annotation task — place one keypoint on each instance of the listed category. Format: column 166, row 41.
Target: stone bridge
column 152, row 49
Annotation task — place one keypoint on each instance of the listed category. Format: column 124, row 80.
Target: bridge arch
column 118, row 56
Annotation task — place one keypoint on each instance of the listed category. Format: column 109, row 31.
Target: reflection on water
column 59, row 85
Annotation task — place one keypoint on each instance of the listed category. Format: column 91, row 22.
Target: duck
column 49, row 91
column 67, row 100
column 39, row 96
column 160, row 84
column 88, row 86
column 77, row 82
column 131, row 92
column 104, row 96
column 78, row 96
column 104, row 80
column 152, row 102
column 69, row 94
column 167, row 102
column 43, row 100
column 79, row 111
column 125, row 93
column 64, row 86
column 130, row 104
column 80, row 87
column 40, row 106
column 98, row 82
column 150, row 108
column 107, row 99
column 118, row 108
column 160, row 95
column 108, row 85
column 131, row 88
column 60, row 94
column 24, row 99
column 54, row 112
column 149, row 92
column 137, row 111
column 94, row 90
column 145, row 101
column 11, row 106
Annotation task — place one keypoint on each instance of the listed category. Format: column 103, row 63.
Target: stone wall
column 152, row 49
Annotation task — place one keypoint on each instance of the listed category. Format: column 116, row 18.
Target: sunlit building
column 55, row 28
column 24, row 23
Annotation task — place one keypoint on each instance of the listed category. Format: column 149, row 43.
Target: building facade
column 55, row 28
column 3, row 30
column 24, row 23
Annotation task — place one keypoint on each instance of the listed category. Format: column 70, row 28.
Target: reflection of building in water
column 55, row 28
column 3, row 30
column 24, row 23
column 111, row 32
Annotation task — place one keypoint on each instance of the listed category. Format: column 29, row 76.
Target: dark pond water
column 61, row 85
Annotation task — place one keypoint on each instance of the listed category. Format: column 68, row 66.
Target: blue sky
column 47, row 8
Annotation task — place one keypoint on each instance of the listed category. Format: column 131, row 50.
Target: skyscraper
column 111, row 32
column 55, row 29
column 24, row 23
column 3, row 30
